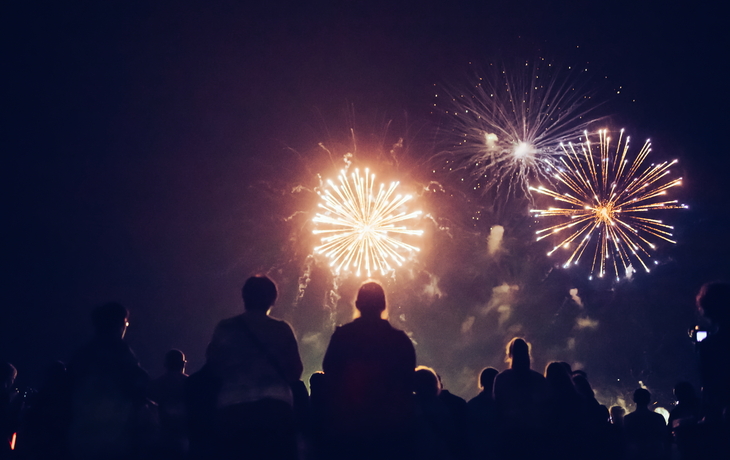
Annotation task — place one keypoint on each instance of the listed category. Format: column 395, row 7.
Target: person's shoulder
column 347, row 327
column 229, row 323
column 395, row 331
column 505, row 374
column 452, row 398
column 399, row 336
column 477, row 400
column 658, row 418
column 277, row 324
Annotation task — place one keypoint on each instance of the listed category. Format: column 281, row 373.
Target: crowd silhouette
column 370, row 401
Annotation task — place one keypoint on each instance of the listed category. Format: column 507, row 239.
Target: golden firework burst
column 359, row 224
column 610, row 202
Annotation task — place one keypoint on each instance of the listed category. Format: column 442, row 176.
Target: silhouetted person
column 369, row 368
column 436, row 429
column 169, row 394
column 201, row 406
column 107, row 390
column 594, row 425
column 683, row 420
column 563, row 411
column 459, row 410
column 256, row 360
column 713, row 301
column 520, row 396
column 646, row 431
column 483, row 416
column 616, row 438
column 314, row 429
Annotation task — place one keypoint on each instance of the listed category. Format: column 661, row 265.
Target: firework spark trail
column 332, row 298
column 507, row 128
column 607, row 195
column 305, row 278
column 360, row 221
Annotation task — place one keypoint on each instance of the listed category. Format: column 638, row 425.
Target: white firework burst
column 504, row 131
column 359, row 225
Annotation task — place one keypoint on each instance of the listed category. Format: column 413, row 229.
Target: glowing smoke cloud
column 506, row 129
column 608, row 198
column 359, row 225
column 494, row 240
column 586, row 322
column 502, row 298
column 576, row 298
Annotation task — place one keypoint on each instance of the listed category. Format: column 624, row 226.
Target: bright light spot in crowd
column 359, row 225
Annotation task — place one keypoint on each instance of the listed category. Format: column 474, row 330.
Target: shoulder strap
column 263, row 349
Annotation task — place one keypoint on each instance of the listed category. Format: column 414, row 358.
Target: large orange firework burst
column 359, row 225
column 610, row 203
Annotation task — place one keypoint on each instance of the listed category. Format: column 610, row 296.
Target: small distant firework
column 607, row 204
column 358, row 224
column 506, row 129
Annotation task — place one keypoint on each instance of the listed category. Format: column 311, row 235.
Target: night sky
column 159, row 153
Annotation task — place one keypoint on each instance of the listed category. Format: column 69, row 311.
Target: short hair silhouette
column 175, row 360
column 642, row 397
column 617, row 414
column 259, row 293
column 317, row 381
column 486, row 378
column 556, row 373
column 426, row 382
column 109, row 317
column 714, row 301
column 518, row 353
column 370, row 299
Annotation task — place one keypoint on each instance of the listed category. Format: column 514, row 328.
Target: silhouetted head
column 426, row 382
column 557, row 376
column 617, row 415
column 685, row 392
column 9, row 373
column 316, row 381
column 713, row 300
column 642, row 397
column 579, row 373
column 259, row 293
column 110, row 320
column 567, row 367
column 175, row 361
column 370, row 300
column 317, row 387
column 486, row 378
column 582, row 386
column 518, row 354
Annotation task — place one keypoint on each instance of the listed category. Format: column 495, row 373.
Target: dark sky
column 149, row 159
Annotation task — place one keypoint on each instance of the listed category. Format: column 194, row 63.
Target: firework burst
column 609, row 201
column 359, row 225
column 506, row 129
